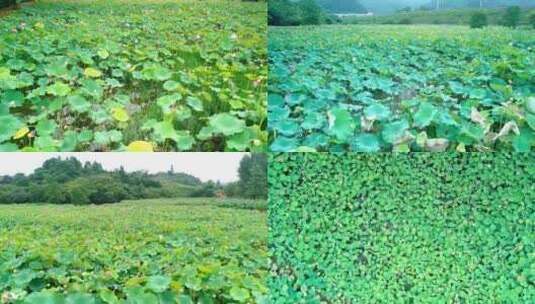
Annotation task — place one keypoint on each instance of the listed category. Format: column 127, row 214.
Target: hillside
column 69, row 181
column 453, row 16
column 385, row 7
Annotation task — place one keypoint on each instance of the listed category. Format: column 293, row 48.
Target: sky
column 206, row 166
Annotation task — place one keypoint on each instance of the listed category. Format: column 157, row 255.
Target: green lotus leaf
column 80, row 298
column 46, row 143
column 184, row 141
column 524, row 141
column 366, row 143
column 394, row 131
column 470, row 132
column 5, row 73
column 9, row 125
column 120, row 114
column 69, row 142
column 278, row 113
column 239, row 294
column 165, row 130
column 92, row 72
column 168, row 102
column 108, row 296
column 92, row 87
column 286, row 127
column 275, row 100
column 305, row 149
column 284, row 144
column 158, row 283
column 58, row 89
column 103, row 53
column 8, row 147
column 377, row 112
column 341, row 123
column 78, row 103
column 195, row 103
column 43, row 297
column 313, row 121
column 530, row 119
column 162, row 73
column 184, row 299
column 316, row 140
column 425, row 115
column 107, row 137
column 205, row 133
column 171, row 85
column 143, row 298
column 12, row 98
column 85, row 136
column 226, row 124
column 239, row 142
column 530, row 104
column 46, row 127
column 57, row 69
column 295, row 99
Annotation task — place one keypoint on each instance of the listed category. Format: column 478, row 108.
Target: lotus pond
column 134, row 252
column 134, row 75
column 401, row 88
column 374, row 228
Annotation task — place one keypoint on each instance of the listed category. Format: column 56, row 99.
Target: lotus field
column 401, row 88
column 134, row 252
column 133, row 75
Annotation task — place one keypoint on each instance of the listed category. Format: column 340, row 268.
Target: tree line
column 252, row 181
column 68, row 181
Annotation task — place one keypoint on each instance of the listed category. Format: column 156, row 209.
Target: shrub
column 405, row 21
column 478, row 20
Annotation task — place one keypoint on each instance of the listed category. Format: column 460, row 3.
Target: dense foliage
column 145, row 252
column 133, row 75
column 301, row 12
column 402, row 228
column 252, row 183
column 71, row 182
column 478, row 20
column 397, row 88
column 512, row 16
column 253, row 176
column 7, row 3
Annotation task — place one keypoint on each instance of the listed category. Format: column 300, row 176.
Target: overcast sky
column 206, row 166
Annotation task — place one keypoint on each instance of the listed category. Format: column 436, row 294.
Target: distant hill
column 342, row 6
column 383, row 7
column 450, row 16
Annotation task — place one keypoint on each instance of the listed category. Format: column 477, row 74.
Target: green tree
column 478, row 20
column 283, row 12
column 208, row 189
column 512, row 16
column 253, row 176
column 232, row 189
column 78, row 193
column 7, row 3
column 311, row 12
column 532, row 20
